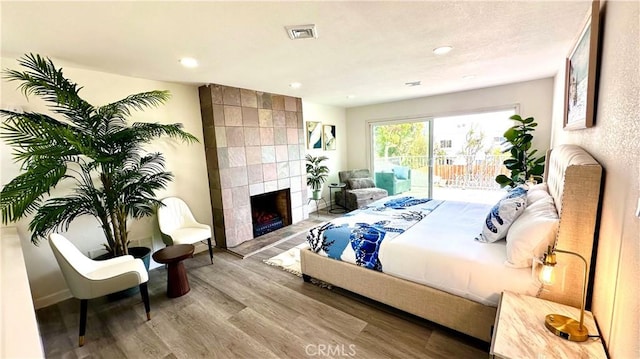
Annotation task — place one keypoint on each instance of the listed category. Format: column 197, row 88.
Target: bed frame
column 573, row 177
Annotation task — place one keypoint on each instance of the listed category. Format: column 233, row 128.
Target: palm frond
column 35, row 135
column 150, row 164
column 149, row 131
column 23, row 194
column 49, row 83
column 139, row 101
column 56, row 214
column 21, row 129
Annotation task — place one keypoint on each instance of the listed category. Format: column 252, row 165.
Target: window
column 445, row 143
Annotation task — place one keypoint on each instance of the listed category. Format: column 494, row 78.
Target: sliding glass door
column 452, row 157
column 402, row 150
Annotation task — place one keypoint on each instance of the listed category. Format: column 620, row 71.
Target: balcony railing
column 460, row 171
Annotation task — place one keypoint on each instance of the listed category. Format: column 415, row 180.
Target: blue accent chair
column 396, row 181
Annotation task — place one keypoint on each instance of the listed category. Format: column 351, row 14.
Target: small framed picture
column 314, row 135
column 329, row 134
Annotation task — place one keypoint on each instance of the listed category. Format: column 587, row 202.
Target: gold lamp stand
column 561, row 325
column 565, row 327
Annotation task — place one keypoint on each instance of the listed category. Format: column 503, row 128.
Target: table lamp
column 561, row 325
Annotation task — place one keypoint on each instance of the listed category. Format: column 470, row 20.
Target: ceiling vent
column 302, row 32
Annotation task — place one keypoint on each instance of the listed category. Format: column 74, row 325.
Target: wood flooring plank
column 134, row 333
column 444, row 346
column 216, row 301
column 272, row 335
column 255, row 299
column 192, row 333
column 319, row 338
column 380, row 315
column 390, row 346
column 175, row 327
column 53, row 332
column 336, row 320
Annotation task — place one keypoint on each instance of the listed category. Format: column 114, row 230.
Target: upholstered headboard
column 573, row 178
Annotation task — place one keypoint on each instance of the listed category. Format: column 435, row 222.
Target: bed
column 572, row 179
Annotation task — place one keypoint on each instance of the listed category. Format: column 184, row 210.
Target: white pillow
column 539, row 187
column 536, row 193
column 502, row 215
column 531, row 233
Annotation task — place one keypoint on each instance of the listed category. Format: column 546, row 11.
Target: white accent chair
column 178, row 226
column 88, row 279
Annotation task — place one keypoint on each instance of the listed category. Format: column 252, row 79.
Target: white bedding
column 440, row 252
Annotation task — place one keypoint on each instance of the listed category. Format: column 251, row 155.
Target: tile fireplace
column 254, row 145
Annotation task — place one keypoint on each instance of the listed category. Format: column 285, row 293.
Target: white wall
column 187, row 162
column 534, row 98
column 329, row 115
column 614, row 142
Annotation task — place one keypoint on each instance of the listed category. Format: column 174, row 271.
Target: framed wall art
column 580, row 75
column 314, row 135
column 329, row 135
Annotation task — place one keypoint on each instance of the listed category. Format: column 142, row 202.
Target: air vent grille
column 302, row 32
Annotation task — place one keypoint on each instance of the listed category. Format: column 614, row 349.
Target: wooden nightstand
column 519, row 331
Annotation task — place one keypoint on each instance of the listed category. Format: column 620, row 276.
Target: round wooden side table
column 172, row 256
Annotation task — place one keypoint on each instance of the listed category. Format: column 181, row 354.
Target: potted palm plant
column 91, row 148
column 316, row 174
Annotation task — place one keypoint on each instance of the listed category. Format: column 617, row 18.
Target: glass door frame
column 397, row 121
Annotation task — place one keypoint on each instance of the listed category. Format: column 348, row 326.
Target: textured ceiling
column 365, row 49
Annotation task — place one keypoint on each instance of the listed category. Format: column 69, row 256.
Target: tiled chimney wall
column 254, row 144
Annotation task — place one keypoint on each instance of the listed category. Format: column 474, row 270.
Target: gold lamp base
column 566, row 328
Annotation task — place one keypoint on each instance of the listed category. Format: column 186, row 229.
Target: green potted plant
column 92, row 149
column 523, row 163
column 316, row 174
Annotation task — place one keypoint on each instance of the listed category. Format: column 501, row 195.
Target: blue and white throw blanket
column 357, row 236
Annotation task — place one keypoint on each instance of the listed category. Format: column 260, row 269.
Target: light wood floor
column 243, row 308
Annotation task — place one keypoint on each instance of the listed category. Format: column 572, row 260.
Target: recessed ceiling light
column 468, row 77
column 189, row 62
column 295, row 85
column 413, row 83
column 296, row 32
column 442, row 50
column 351, row 96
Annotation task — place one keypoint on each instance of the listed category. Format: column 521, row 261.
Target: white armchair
column 178, row 226
column 88, row 279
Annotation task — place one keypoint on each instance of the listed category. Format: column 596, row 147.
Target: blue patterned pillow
column 502, row 215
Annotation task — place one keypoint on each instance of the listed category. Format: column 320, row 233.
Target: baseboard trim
column 52, row 299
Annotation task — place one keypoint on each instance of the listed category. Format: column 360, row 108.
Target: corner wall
column 330, row 115
column 186, row 161
column 615, row 143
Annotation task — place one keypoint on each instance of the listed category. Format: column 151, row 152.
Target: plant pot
column 143, row 253
column 316, row 194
